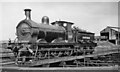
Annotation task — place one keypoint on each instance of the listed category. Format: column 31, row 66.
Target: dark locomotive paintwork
column 30, row 31
column 45, row 40
column 56, row 32
column 85, row 36
column 39, row 31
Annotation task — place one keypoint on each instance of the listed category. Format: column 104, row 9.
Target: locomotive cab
column 69, row 36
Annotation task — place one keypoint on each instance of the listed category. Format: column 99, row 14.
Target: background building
column 111, row 34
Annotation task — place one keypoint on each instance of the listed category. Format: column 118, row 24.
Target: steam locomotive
column 39, row 41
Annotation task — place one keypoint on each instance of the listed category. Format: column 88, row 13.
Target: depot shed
column 111, row 34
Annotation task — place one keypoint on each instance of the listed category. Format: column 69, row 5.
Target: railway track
column 76, row 61
column 70, row 58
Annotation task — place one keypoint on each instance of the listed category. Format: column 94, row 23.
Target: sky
column 90, row 16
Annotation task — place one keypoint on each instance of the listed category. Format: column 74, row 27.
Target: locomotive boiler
column 28, row 30
column 39, row 41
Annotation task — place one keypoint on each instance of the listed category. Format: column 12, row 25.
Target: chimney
column 28, row 14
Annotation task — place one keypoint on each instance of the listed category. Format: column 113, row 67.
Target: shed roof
column 115, row 29
column 111, row 28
